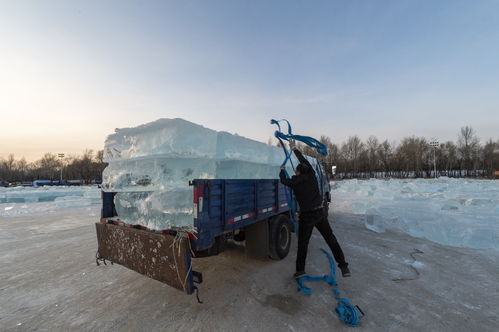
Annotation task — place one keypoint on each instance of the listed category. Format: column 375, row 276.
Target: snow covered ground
column 456, row 212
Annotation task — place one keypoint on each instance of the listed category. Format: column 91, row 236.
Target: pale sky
column 72, row 71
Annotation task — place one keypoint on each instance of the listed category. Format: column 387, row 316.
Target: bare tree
column 48, row 166
column 372, row 145
column 490, row 156
column 22, row 169
column 449, row 155
column 468, row 146
column 385, row 155
column 352, row 150
column 413, row 154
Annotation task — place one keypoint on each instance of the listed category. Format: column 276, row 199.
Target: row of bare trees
column 411, row 157
column 87, row 167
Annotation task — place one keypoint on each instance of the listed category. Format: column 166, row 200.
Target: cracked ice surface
column 151, row 165
column 457, row 212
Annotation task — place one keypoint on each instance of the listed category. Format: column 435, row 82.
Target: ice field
column 38, row 200
column 456, row 212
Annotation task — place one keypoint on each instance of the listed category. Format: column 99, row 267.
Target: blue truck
column 257, row 212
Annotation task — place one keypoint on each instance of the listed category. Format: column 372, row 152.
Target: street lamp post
column 61, row 155
column 494, row 172
column 434, row 143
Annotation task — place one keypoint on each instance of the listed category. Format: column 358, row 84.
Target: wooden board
column 151, row 254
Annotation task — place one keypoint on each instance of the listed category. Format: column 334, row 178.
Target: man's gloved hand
column 292, row 144
column 283, row 168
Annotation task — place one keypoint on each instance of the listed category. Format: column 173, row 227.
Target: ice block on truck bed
column 151, row 165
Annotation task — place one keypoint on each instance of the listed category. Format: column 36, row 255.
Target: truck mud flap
column 157, row 256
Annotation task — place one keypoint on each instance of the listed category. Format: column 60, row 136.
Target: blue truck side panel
column 228, row 205
column 225, row 206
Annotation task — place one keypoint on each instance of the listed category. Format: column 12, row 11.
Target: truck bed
column 220, row 207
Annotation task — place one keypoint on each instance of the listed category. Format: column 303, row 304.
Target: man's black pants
column 306, row 225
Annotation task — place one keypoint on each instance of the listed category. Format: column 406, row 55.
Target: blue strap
column 312, row 142
column 345, row 311
column 321, row 148
column 289, row 198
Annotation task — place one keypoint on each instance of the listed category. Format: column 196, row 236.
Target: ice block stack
column 150, row 167
column 450, row 211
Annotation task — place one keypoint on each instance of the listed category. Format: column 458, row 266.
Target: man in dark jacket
column 306, row 189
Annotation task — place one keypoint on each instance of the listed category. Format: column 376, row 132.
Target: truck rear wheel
column 279, row 237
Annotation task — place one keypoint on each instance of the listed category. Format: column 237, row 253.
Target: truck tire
column 279, row 237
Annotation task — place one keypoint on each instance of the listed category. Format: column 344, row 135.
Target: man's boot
column 345, row 272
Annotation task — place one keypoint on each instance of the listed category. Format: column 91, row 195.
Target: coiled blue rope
column 345, row 311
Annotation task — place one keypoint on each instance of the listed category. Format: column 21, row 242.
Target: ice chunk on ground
column 150, row 167
column 457, row 212
column 374, row 221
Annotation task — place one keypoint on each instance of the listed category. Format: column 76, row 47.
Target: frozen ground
column 49, row 282
column 456, row 212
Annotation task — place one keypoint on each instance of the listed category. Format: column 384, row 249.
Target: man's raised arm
column 301, row 158
column 289, row 182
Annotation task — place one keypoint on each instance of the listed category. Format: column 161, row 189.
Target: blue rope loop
column 345, row 311
column 312, row 142
column 289, row 198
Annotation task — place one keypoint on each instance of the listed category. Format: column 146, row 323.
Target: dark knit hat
column 303, row 168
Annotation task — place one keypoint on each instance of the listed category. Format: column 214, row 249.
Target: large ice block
column 150, row 167
column 171, row 137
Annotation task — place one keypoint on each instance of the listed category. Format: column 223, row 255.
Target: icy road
column 49, row 282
